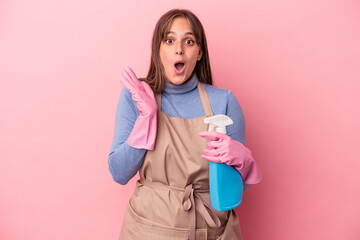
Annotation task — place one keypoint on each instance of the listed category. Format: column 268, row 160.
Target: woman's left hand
column 224, row 149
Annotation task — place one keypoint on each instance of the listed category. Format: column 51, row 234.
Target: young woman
column 160, row 132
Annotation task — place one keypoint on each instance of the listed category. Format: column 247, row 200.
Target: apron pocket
column 145, row 229
column 140, row 228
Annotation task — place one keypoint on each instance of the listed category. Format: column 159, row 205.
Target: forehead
column 180, row 25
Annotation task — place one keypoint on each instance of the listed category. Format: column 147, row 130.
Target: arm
column 236, row 130
column 124, row 161
column 135, row 128
column 230, row 149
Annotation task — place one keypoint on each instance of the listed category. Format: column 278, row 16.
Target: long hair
column 156, row 76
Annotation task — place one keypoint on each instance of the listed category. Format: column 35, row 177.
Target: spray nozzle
column 218, row 122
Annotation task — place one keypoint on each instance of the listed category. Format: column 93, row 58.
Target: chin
column 177, row 80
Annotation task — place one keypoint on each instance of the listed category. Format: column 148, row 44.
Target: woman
column 163, row 136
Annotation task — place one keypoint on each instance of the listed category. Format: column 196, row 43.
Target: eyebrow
column 188, row 33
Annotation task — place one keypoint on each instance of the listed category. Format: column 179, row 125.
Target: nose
column 179, row 49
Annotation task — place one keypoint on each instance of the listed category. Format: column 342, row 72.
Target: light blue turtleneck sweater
column 177, row 101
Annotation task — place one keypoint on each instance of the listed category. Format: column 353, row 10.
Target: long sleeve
column 237, row 130
column 124, row 161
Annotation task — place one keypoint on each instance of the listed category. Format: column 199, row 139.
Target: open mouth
column 179, row 67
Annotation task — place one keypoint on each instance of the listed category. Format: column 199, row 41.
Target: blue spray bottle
column 226, row 184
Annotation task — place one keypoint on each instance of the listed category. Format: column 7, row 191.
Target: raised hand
column 143, row 134
column 141, row 92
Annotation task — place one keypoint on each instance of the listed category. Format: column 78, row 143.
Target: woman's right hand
column 141, row 92
column 143, row 134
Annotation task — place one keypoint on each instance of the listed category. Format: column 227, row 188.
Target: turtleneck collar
column 182, row 88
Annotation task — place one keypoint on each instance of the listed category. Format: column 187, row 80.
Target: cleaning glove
column 224, row 149
column 143, row 134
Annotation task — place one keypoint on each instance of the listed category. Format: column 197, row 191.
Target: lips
column 179, row 67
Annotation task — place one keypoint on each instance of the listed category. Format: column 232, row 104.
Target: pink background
column 293, row 65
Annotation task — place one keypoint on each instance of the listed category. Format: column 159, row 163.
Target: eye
column 189, row 41
column 169, row 40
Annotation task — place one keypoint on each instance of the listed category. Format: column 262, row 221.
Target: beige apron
column 171, row 199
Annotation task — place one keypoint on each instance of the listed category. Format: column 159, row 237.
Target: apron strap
column 191, row 202
column 203, row 97
column 158, row 101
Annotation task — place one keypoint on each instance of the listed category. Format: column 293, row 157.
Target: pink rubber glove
column 143, row 134
column 231, row 152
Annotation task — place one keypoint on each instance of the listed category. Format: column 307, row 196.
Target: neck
column 187, row 86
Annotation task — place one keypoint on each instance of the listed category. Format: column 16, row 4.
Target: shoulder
column 216, row 91
column 220, row 95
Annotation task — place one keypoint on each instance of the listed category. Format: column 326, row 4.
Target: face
column 179, row 52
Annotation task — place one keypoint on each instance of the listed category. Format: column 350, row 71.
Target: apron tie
column 191, row 202
column 189, row 205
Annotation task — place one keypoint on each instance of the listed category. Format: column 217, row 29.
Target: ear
column 200, row 54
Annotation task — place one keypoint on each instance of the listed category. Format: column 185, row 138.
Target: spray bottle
column 226, row 184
